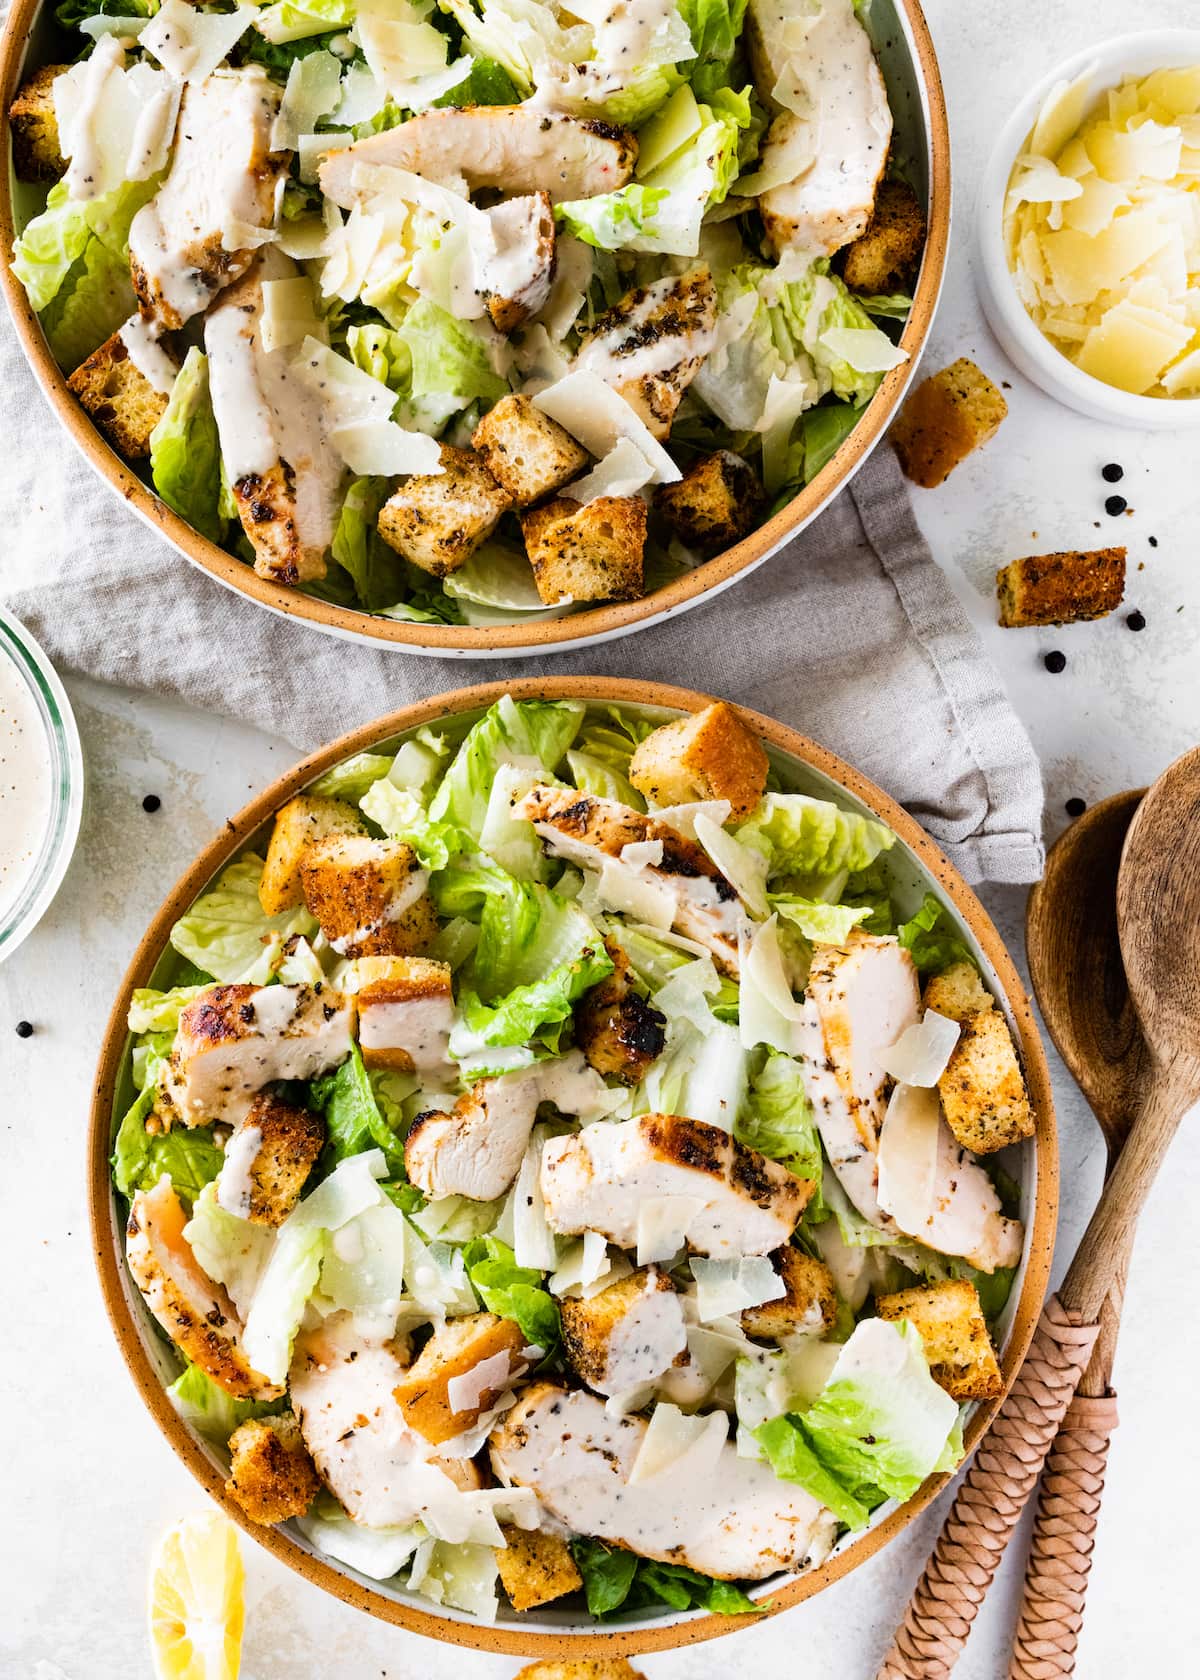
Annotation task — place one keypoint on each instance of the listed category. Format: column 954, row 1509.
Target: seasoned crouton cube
column 368, row 895
column 307, row 817
column 119, row 398
column 709, row 755
column 271, row 1475
column 1064, row 588
column 582, row 1668
column 982, row 1090
column 884, row 257
column 617, row 1030
column 810, row 1305
column 629, row 1333
column 462, row 1370
column 948, row 415
column 34, row 127
column 526, row 452
column 587, row 552
column 957, row 992
column 405, row 1012
column 714, row 504
column 957, row 1345
column 438, row 520
column 535, row 1567
column 268, row 1159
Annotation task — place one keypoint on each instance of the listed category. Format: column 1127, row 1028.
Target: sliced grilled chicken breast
column 512, row 149
column 600, row 1178
column 650, row 345
column 732, row 1518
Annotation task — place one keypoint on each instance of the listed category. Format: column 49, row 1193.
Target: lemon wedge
column 197, row 1600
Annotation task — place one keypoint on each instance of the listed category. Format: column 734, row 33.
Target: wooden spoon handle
column 990, row 1501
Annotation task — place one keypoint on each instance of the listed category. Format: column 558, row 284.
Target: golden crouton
column 948, row 415
column 957, row 993
column 588, row 551
column 454, row 1351
column 617, row 1030
column 271, row 1475
column 982, row 1090
column 361, row 892
column 307, row 817
column 708, row 755
column 1061, row 588
column 714, row 504
column 810, row 1304
column 535, row 1567
column 119, row 398
column 582, row 1668
column 34, row 127
column 588, row 1325
column 526, row 452
column 289, row 1140
column 387, row 981
column 884, row 257
column 951, row 1325
column 438, row 520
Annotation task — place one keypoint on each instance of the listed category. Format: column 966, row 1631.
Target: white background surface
column 87, row 1483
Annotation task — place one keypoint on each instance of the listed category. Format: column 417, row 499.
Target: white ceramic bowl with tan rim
column 1107, row 64
column 909, row 65
column 915, row 866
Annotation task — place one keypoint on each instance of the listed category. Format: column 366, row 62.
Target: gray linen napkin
column 850, row 634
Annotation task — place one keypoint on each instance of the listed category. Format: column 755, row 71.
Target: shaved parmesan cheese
column 727, row 1287
column 383, row 448
column 678, row 1443
column 490, row 1376
column 363, row 96
column 587, row 1268
column 310, row 149
column 356, row 414
column 115, row 125
column 533, row 1240
column 744, row 868
column 599, row 417
column 628, row 891
column 1061, row 114
column 1131, row 347
column 191, row 43
column 662, row 1226
column 623, row 471
column 638, row 853
column 919, row 1056
column 682, row 818
column 908, row 1146
column 405, row 54
column 314, row 88
column 768, row 1012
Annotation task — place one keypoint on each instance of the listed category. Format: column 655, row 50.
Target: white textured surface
column 87, row 1481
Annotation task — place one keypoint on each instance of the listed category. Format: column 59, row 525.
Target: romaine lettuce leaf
column 791, row 1456
column 348, row 1100
column 187, row 1155
column 295, row 20
column 486, row 83
column 377, row 571
column 185, row 452
column 351, row 779
column 776, row 1118
column 933, row 939
column 450, row 363
column 206, row 1406
column 514, row 1292
column 510, row 732
column 716, row 31
column 230, row 1250
column 151, row 1011
column 813, row 841
column 615, row 1580
column 824, row 924
column 227, row 933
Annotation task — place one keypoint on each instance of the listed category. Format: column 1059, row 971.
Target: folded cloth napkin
column 850, row 634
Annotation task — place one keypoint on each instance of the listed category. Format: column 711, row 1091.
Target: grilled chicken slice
column 598, row 1179
column 733, row 1518
column 649, row 347
column 516, row 280
column 190, row 240
column 593, row 832
column 859, row 999
column 234, row 1040
column 512, row 149
column 618, row 1031
column 195, row 1312
column 342, row 1392
column 287, row 480
column 838, row 149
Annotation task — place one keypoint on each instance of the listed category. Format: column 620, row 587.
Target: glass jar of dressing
column 41, row 783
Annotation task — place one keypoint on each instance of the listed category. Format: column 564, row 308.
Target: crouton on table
column 810, row 1305
column 948, row 415
column 629, row 1333
column 444, row 1392
column 535, row 1567
column 714, row 504
column 438, row 520
column 617, row 1030
column 34, row 127
column 1062, row 588
column 271, row 1474
column 528, row 454
column 307, row 817
column 268, row 1159
column 118, row 396
column 885, row 254
column 708, row 755
column 950, row 1321
column 587, row 552
column 368, row 895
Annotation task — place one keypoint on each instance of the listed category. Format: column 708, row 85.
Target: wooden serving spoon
column 1079, row 980
column 1158, row 918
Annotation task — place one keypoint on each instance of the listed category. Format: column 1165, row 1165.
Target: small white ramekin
column 1108, row 63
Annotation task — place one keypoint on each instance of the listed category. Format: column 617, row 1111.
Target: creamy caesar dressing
column 26, row 784
column 148, row 355
column 645, row 1341
column 418, row 1026
column 235, row 1182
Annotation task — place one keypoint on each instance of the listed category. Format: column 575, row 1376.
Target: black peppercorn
column 1136, row 621
column 1076, row 807
column 151, row 802
column 1115, row 505
column 24, row 1029
column 1055, row 662
column 1112, row 473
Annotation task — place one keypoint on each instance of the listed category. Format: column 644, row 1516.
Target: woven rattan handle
column 990, row 1501
column 1060, row 1556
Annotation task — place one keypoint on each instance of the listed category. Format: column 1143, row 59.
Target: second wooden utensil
column 1158, row 909
column 1079, row 980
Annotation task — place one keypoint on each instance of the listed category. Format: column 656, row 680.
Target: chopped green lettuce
column 152, row 1012
column 185, row 451
column 510, row 732
column 486, row 83
column 450, row 366
column 824, row 924
column 351, row 778
column 813, row 841
column 716, row 30
column 377, row 571
column 776, row 1118
column 514, row 1292
column 186, row 1155
column 933, row 939
column 206, row 1406
column 349, row 1100
column 615, row 1580
column 228, row 934
column 295, row 20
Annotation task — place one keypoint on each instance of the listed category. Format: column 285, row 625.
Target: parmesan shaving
column 189, row 43
column 921, row 1053
column 623, row 472
column 465, row 1392
column 599, row 417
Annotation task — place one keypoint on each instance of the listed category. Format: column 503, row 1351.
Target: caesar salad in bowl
column 572, row 1167
column 474, row 325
